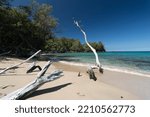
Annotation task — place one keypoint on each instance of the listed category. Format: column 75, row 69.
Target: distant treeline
column 25, row 29
column 62, row 45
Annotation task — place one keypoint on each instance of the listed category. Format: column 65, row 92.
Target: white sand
column 110, row 85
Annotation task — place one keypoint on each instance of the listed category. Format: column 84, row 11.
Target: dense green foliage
column 25, row 29
column 62, row 45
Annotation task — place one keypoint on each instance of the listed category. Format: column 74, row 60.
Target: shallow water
column 130, row 62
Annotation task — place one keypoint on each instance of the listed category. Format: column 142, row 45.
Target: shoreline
column 135, row 84
column 109, row 86
column 108, row 68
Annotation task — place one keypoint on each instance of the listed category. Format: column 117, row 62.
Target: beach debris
column 91, row 73
column 98, row 64
column 32, row 67
column 79, row 74
column 16, row 66
column 34, row 85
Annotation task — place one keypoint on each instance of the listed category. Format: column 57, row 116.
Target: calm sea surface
column 132, row 62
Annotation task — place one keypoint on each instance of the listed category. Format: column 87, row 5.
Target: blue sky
column 122, row 25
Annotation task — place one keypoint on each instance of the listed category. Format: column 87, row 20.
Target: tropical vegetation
column 25, row 29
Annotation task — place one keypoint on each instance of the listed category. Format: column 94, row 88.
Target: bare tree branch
column 16, row 66
column 94, row 51
column 34, row 85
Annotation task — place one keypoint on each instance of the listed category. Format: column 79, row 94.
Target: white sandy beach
column 110, row 85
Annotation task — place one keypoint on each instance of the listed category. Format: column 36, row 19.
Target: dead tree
column 16, row 66
column 31, row 87
column 98, row 65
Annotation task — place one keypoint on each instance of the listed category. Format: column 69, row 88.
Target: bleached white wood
column 94, row 51
column 16, row 66
column 32, row 86
column 44, row 69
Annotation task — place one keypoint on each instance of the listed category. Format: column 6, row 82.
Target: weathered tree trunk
column 91, row 73
column 16, row 66
column 94, row 51
column 31, row 87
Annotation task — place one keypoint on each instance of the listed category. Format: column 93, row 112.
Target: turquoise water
column 137, row 62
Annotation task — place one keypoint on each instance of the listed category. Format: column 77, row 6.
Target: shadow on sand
column 44, row 91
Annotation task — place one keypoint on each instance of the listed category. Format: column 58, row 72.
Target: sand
column 109, row 86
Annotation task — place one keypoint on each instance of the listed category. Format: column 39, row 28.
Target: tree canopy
column 25, row 29
column 63, row 45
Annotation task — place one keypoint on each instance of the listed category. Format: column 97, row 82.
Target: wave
column 109, row 68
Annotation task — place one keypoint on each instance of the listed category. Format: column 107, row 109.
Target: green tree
column 15, row 31
column 41, row 15
column 22, row 33
column 86, row 48
column 76, row 46
column 98, row 46
column 24, row 29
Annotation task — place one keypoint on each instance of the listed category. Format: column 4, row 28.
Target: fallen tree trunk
column 31, row 87
column 16, row 66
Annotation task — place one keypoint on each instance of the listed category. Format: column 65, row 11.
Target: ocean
column 128, row 62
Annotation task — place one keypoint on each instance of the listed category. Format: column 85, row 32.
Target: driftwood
column 16, row 66
column 91, row 73
column 31, row 87
column 99, row 66
column 44, row 69
column 33, row 67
